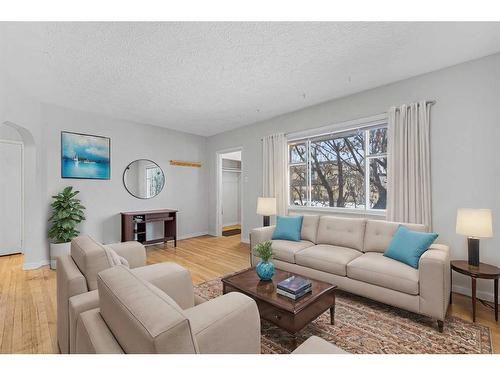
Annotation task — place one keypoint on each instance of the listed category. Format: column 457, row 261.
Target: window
column 154, row 181
column 347, row 170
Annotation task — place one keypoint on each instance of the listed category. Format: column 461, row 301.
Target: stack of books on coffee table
column 294, row 287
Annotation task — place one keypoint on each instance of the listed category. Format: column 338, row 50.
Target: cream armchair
column 77, row 280
column 134, row 316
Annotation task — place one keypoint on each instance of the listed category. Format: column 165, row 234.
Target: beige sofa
column 77, row 280
column 348, row 252
column 136, row 317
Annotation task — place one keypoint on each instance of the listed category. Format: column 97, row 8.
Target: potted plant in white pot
column 67, row 213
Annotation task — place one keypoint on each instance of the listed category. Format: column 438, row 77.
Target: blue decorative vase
column 265, row 270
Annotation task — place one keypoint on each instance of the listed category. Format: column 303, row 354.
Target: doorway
column 229, row 193
column 11, row 197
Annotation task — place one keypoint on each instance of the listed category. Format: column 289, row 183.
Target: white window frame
column 349, row 127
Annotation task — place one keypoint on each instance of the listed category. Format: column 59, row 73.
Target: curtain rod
column 430, row 102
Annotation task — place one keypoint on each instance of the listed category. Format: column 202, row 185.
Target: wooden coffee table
column 286, row 313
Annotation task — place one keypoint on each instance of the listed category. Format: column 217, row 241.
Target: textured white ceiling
column 206, row 78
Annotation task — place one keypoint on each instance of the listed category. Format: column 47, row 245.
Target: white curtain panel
column 409, row 169
column 274, row 170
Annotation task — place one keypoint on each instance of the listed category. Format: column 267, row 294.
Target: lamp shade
column 266, row 206
column 474, row 222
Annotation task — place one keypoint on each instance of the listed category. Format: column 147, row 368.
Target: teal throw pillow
column 288, row 228
column 407, row 246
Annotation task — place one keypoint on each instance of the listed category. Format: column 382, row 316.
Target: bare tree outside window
column 337, row 166
column 298, row 174
column 378, row 168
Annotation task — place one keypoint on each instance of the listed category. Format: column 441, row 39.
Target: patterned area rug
column 366, row 327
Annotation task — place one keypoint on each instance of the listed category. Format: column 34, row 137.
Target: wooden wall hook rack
column 182, row 163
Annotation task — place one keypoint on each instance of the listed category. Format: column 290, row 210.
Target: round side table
column 483, row 271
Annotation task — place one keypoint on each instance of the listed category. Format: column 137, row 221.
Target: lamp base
column 473, row 245
column 267, row 220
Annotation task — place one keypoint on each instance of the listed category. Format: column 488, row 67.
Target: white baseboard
column 487, row 296
column 228, row 224
column 191, row 235
column 245, row 240
column 182, row 237
column 35, row 265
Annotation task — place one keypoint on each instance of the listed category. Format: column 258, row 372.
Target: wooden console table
column 134, row 226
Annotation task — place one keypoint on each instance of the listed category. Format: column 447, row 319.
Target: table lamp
column 475, row 224
column 266, row 207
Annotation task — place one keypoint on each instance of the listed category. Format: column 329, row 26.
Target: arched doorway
column 34, row 246
column 11, row 193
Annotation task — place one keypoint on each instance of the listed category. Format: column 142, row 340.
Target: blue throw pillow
column 288, row 228
column 407, row 246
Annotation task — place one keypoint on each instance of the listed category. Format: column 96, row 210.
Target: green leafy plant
column 264, row 250
column 67, row 213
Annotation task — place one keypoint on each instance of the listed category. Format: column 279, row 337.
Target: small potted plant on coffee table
column 265, row 268
column 67, row 213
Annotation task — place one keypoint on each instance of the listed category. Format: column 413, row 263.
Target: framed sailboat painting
column 85, row 156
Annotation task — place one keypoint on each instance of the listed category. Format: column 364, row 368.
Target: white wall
column 39, row 125
column 465, row 134
column 465, row 166
column 11, row 197
column 9, row 133
column 231, row 198
column 231, row 190
column 184, row 187
column 23, row 114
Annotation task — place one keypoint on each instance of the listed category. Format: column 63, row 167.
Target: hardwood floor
column 206, row 257
column 28, row 298
column 27, row 308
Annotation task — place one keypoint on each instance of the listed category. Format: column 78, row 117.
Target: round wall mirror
column 143, row 179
